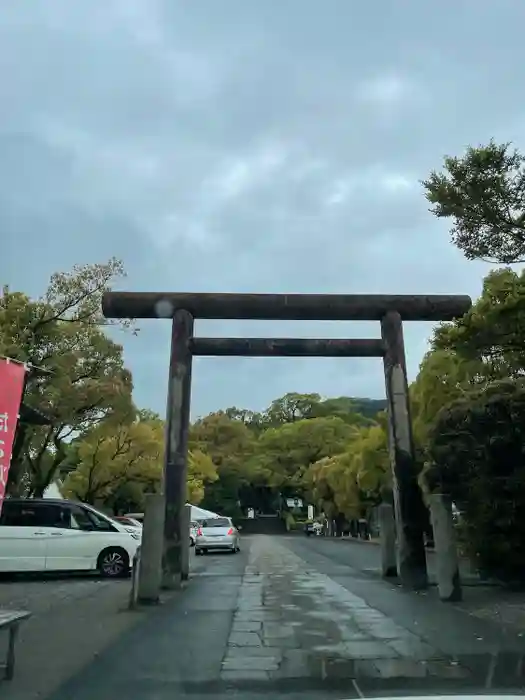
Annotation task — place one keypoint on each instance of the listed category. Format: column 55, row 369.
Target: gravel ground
column 73, row 620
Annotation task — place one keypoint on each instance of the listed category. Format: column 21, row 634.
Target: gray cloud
column 248, row 146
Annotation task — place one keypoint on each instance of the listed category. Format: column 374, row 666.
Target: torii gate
column 389, row 310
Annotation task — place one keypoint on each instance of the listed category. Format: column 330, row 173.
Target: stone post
column 387, row 538
column 185, row 564
column 408, row 500
column 175, row 466
column 150, row 570
column 445, row 545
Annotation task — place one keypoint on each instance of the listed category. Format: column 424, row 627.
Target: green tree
column 252, row 419
column 284, row 454
column 476, row 455
column 201, row 471
column 485, row 345
column 345, row 408
column 85, row 380
column 113, row 455
column 291, row 407
column 351, row 482
column 229, row 443
column 444, row 376
column 484, row 194
column 493, row 331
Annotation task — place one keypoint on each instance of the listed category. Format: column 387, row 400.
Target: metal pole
column 175, row 466
column 408, row 500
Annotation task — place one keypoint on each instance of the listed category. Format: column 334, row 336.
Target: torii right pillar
column 408, row 500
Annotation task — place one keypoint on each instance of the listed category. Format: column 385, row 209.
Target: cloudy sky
column 248, row 145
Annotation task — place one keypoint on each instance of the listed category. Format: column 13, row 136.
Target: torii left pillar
column 176, row 535
column 408, row 499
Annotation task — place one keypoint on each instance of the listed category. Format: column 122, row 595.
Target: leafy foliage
column 477, row 455
column 112, row 456
column 82, row 378
column 484, row 194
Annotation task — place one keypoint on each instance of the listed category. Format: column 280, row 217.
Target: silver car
column 217, row 533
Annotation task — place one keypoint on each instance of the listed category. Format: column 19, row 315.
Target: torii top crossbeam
column 320, row 307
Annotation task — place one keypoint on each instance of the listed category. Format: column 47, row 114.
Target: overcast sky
column 248, row 145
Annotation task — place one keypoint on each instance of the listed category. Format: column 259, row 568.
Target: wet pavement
column 287, row 617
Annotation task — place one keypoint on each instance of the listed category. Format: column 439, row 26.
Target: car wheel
column 198, row 552
column 113, row 562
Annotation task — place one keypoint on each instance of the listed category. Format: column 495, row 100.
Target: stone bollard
column 134, row 593
column 185, row 549
column 446, row 553
column 387, row 539
column 150, row 570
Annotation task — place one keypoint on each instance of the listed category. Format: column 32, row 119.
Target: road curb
column 375, row 542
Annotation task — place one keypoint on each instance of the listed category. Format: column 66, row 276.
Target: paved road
column 365, row 555
column 299, row 618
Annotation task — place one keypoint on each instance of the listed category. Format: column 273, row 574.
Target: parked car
column 139, row 517
column 217, row 533
column 126, row 520
column 62, row 535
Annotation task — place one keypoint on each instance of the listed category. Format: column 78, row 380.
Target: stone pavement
column 284, row 618
column 480, row 598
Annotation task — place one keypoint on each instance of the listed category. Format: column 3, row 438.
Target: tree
column 444, row 376
column 351, row 411
column 351, row 482
column 284, row 454
column 228, row 443
column 291, row 407
column 111, row 456
column 485, row 345
column 484, row 194
column 476, row 455
column 251, row 419
column 493, row 331
column 85, row 380
column 201, row 471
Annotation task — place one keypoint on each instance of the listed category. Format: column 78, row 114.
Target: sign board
column 294, row 502
column 310, row 512
column 12, row 378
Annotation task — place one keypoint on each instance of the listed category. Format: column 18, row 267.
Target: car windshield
column 321, row 189
column 99, row 515
column 216, row 522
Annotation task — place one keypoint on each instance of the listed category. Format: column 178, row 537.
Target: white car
column 61, row 535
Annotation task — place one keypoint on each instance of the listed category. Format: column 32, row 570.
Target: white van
column 60, row 535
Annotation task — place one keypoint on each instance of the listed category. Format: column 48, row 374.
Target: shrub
column 477, row 455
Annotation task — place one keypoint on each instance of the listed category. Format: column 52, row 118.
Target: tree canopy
column 80, row 378
column 484, row 194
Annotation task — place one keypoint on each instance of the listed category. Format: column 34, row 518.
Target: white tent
column 201, row 514
column 54, row 490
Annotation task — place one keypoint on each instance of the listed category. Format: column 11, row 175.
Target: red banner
column 12, row 376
